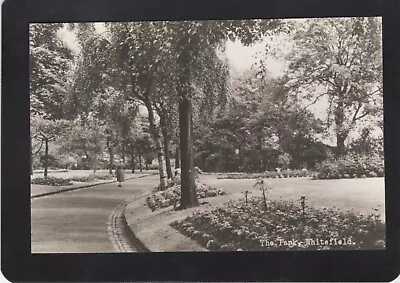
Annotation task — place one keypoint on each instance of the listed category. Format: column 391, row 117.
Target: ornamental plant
column 171, row 196
column 51, row 181
column 239, row 226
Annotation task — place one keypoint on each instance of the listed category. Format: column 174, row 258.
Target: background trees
column 177, row 75
column 339, row 61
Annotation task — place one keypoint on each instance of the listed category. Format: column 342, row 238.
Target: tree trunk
column 341, row 132
column 133, row 160
column 177, row 158
column 46, row 157
column 188, row 185
column 167, row 160
column 166, row 149
column 123, row 152
column 155, row 133
column 140, row 163
column 111, row 154
column 340, row 146
column 31, row 160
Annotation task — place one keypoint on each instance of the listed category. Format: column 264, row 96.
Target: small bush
column 51, row 181
column 91, row 178
column 351, row 166
column 103, row 177
column 172, row 195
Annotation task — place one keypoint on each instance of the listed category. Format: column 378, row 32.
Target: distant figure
column 177, row 176
column 120, row 172
column 278, row 170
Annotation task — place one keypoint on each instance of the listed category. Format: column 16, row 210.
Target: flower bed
column 172, row 196
column 91, row 178
column 281, row 226
column 282, row 174
column 51, row 181
column 351, row 166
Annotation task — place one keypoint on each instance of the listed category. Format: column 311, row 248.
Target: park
column 234, row 135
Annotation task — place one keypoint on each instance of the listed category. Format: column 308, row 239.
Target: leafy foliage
column 51, row 181
column 339, row 60
column 268, row 174
column 50, row 66
column 246, row 226
column 91, row 178
column 352, row 166
column 171, row 196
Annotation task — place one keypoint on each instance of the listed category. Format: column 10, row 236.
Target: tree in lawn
column 192, row 40
column 165, row 103
column 181, row 43
column 116, row 115
column 96, row 91
column 138, row 142
column 45, row 131
column 87, row 140
column 138, row 51
column 49, row 69
column 340, row 61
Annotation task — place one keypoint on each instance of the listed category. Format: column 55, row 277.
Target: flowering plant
column 238, row 225
column 172, row 195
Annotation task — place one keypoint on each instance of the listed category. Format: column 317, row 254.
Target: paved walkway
column 76, row 221
column 42, row 190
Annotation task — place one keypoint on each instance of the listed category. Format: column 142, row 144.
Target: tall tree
column 191, row 40
column 50, row 64
column 339, row 60
column 142, row 46
column 46, row 131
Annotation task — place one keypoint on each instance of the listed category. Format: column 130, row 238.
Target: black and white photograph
column 207, row 135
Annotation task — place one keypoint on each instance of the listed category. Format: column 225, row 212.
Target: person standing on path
column 120, row 174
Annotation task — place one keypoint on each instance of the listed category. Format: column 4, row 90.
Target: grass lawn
column 362, row 195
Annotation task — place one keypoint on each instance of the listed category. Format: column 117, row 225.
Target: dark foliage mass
column 51, row 181
column 352, row 166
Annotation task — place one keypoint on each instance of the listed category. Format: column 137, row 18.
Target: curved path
column 76, row 221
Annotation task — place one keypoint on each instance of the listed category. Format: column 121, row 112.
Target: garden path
column 76, row 221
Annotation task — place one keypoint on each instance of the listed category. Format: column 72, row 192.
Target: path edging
column 121, row 235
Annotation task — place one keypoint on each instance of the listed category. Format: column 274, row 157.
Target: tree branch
column 355, row 114
column 362, row 116
column 41, row 144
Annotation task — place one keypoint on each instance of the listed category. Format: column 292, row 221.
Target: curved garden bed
column 282, row 226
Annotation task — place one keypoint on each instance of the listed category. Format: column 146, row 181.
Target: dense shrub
column 351, row 166
column 282, row 174
column 91, row 178
column 51, row 181
column 103, row 177
column 243, row 226
column 172, row 195
column 214, row 163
